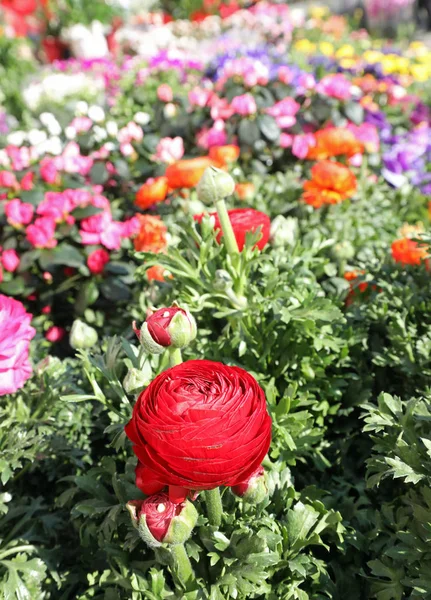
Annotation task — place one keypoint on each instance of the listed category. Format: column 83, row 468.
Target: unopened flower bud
column 172, row 327
column 343, row 250
column 135, row 380
column 223, row 281
column 82, row 335
column 215, row 185
column 253, row 490
column 160, row 521
column 284, row 231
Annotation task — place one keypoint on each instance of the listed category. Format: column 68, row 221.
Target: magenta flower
column 10, row 260
column 335, row 86
column 18, row 213
column 284, row 112
column 41, row 233
column 48, row 170
column 244, row 105
column 15, row 335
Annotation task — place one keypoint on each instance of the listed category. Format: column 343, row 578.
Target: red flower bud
column 167, row 327
column 160, row 521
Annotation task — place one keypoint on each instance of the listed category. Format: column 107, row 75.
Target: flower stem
column 175, row 357
column 228, row 234
column 181, row 565
column 214, row 506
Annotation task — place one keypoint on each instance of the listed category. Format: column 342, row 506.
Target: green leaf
column 248, row 132
column 63, row 254
column 86, row 212
column 300, row 520
column 99, row 174
column 268, row 127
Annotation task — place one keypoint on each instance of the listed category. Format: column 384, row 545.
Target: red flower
column 408, row 252
column 197, row 426
column 244, row 220
column 97, row 260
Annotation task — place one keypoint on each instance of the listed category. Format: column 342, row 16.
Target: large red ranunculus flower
column 244, row 220
column 198, row 426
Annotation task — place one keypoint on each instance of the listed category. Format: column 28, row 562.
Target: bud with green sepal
column 254, row 489
column 284, row 231
column 214, row 185
column 82, row 335
column 172, row 328
column 135, row 380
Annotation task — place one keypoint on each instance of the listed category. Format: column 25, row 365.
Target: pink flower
column 48, row 170
column 302, row 143
column 200, row 96
column 220, row 108
column 56, row 205
column 285, row 75
column 286, row 140
column 306, row 82
column 165, row 93
column 81, row 124
column 18, row 213
column 101, row 229
column 336, row 86
column 244, row 105
column 15, row 335
column 97, row 260
column 217, row 135
column 130, row 227
column 366, row 133
column 170, row 150
column 55, row 333
column 27, row 181
column 127, row 149
column 41, row 233
column 132, row 132
column 8, row 180
column 284, row 112
column 10, row 260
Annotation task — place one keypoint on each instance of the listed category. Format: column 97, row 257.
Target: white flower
column 142, row 118
column 53, row 146
column 109, row 146
column 96, row 113
column 16, row 138
column 4, row 158
column 36, row 136
column 46, row 118
column 99, row 133
column 54, row 127
column 81, row 108
column 70, row 132
column 112, row 128
column 170, row 110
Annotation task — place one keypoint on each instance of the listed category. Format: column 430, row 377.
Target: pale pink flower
column 286, row 140
column 81, row 124
column 127, row 149
column 244, row 105
column 302, row 143
column 285, row 75
column 170, row 150
column 15, row 335
column 284, row 112
column 41, row 233
column 10, row 260
column 165, row 93
column 18, row 213
column 199, row 96
column 220, row 108
column 366, row 133
column 101, row 229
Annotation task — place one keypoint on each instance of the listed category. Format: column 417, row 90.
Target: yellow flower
column 348, row 63
column 372, row 56
column 326, row 48
column 345, row 51
column 420, row 72
column 319, row 12
column 305, row 46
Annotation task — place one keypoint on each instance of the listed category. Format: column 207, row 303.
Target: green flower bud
column 215, row 185
column 223, row 281
column 343, row 251
column 82, row 335
column 135, row 380
column 160, row 521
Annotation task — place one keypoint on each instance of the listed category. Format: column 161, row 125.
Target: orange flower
column 330, row 183
column 156, row 273
column 187, row 173
column 408, row 252
column 334, row 142
column 244, row 191
column 153, row 191
column 223, row 155
column 351, row 276
column 152, row 234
